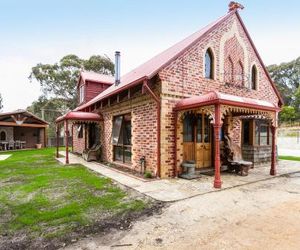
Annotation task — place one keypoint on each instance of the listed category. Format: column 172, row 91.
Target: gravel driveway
column 262, row 215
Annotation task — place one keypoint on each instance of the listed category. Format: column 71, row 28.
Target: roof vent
column 117, row 67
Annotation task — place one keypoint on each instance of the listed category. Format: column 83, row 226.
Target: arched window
column 254, row 77
column 209, row 64
column 229, row 70
column 2, row 136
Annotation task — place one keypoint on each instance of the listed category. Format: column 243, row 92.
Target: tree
column 59, row 80
column 288, row 113
column 1, row 101
column 287, row 78
column 48, row 110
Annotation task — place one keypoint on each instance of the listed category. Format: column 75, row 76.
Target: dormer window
column 254, row 77
column 209, row 64
column 81, row 93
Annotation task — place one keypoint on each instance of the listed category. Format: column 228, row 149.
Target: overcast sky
column 35, row 31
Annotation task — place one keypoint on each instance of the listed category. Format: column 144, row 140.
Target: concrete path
column 179, row 189
column 4, row 157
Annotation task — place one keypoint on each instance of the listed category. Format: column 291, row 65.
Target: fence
column 52, row 141
column 289, row 139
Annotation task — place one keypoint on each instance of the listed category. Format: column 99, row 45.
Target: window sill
column 122, row 164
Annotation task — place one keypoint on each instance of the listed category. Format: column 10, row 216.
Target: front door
column 197, row 140
column 203, row 141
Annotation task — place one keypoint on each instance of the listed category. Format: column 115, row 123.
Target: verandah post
column 57, row 140
column 217, row 127
column 67, row 141
column 273, row 156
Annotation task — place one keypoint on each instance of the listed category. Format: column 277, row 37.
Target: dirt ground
column 262, row 215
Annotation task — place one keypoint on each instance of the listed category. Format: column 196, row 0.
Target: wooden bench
column 240, row 167
column 92, row 154
column 234, row 158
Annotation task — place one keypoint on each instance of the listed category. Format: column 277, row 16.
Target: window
column 262, row 133
column 246, row 133
column 81, row 93
column 229, row 70
column 254, row 77
column 209, row 64
column 188, row 127
column 256, row 132
column 3, row 136
column 80, row 131
column 121, row 138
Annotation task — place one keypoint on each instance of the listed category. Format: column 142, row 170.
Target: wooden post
column 72, row 138
column 45, row 137
column 273, row 156
column 67, row 141
column 217, row 127
column 57, row 140
column 85, row 135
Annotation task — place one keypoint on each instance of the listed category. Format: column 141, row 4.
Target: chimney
column 117, row 67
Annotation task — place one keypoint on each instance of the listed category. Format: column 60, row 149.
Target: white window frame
column 81, row 93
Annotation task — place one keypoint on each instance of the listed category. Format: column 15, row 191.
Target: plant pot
column 38, row 145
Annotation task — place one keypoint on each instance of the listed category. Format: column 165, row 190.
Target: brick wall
column 78, row 143
column 30, row 135
column 144, row 126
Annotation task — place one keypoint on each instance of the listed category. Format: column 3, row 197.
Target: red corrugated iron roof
column 214, row 97
column 151, row 67
column 79, row 116
column 96, row 77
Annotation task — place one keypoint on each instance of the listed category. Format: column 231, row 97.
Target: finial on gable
column 234, row 5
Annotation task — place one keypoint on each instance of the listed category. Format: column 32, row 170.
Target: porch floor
column 169, row 190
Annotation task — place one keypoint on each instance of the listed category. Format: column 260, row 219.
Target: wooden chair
column 17, row 144
column 92, row 154
column 234, row 158
column 11, row 144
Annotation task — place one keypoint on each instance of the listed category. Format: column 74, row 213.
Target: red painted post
column 72, row 139
column 175, row 145
column 273, row 157
column 217, row 127
column 57, row 140
column 67, row 141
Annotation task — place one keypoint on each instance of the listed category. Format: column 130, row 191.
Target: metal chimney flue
column 117, row 67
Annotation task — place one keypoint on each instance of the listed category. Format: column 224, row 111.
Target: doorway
column 197, row 139
column 94, row 134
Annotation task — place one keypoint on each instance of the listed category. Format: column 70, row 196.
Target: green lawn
column 41, row 198
column 290, row 158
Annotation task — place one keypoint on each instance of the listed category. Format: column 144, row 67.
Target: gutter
column 158, row 103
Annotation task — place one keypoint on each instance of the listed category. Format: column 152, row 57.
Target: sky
column 35, row 31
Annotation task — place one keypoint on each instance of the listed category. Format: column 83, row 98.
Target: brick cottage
column 181, row 105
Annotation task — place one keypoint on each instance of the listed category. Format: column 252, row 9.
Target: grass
column 289, row 158
column 40, row 197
